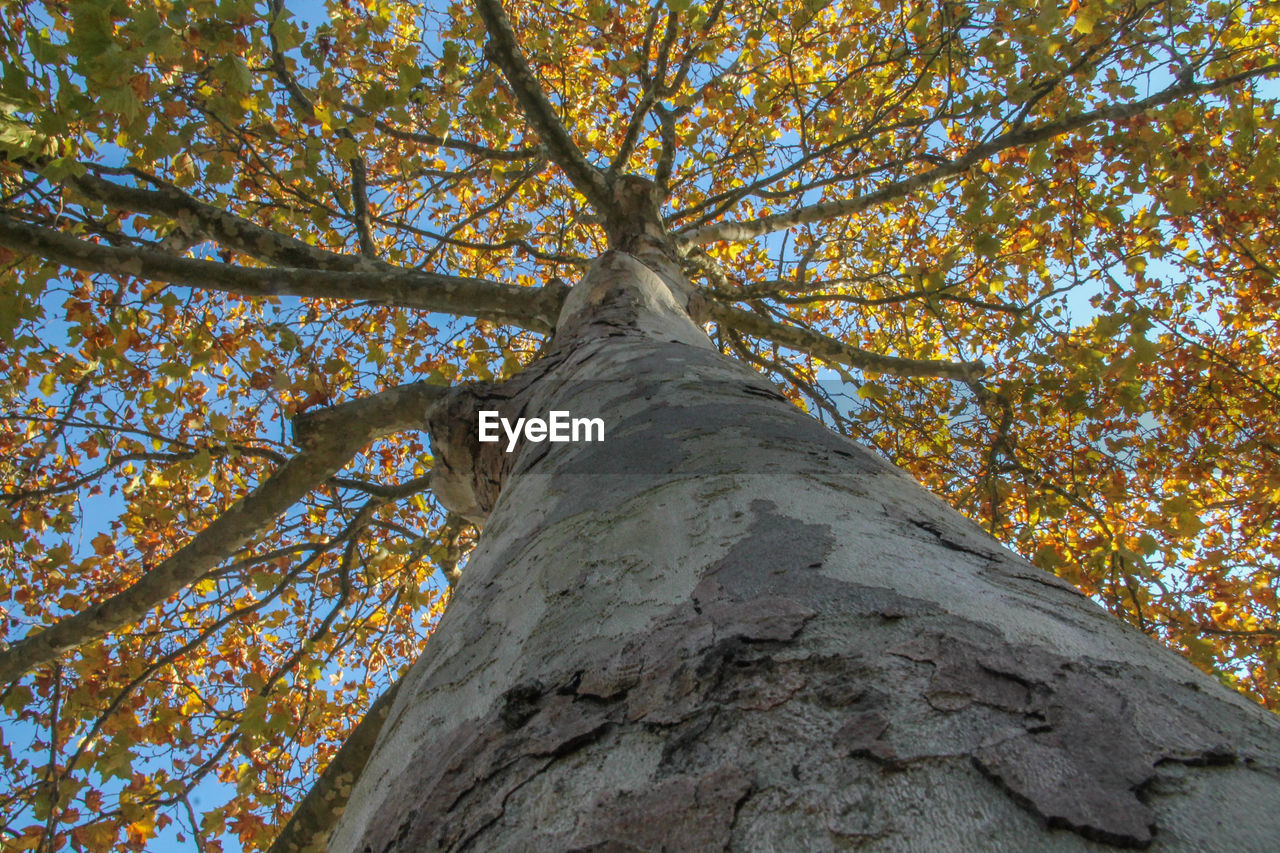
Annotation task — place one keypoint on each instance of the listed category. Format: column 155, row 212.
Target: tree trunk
column 726, row 627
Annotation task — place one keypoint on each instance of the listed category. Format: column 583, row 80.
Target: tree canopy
column 1028, row 251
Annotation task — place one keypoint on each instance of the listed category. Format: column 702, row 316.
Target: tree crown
column 1027, row 251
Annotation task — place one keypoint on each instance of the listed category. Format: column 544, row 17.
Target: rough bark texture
column 728, row 628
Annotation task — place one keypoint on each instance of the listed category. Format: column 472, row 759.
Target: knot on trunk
column 467, row 474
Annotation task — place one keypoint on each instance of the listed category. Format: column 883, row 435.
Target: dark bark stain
column 520, row 703
column 772, row 567
column 688, row 812
column 860, row 737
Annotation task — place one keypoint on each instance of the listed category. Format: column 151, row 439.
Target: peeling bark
column 727, row 628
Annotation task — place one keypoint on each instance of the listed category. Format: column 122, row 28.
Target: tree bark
column 726, row 627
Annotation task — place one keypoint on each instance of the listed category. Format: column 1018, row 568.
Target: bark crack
column 932, row 527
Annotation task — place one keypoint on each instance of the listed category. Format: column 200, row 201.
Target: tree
column 251, row 259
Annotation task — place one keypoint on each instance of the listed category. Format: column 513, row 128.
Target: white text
column 559, row 427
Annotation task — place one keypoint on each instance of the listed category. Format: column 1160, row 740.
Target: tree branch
column 1228, row 632
column 315, row 817
column 304, row 103
column 667, row 154
column 360, row 201
column 789, row 292
column 650, row 87
column 503, row 50
column 228, row 230
column 829, row 349
column 329, row 438
column 390, row 411
column 897, row 189
column 532, row 308
column 430, row 139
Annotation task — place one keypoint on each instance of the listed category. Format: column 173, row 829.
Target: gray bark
column 728, row 628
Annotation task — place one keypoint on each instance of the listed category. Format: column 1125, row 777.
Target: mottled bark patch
column 861, row 737
column 1080, row 760
column 467, row 475
column 520, row 703
column 866, row 720
column 711, row 654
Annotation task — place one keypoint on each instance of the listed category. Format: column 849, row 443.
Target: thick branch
column 790, row 292
column 503, row 49
column 360, row 202
column 632, row 135
column 829, row 349
column 667, row 154
column 329, row 439
column 528, row 307
column 228, row 230
column 315, row 817
column 1012, row 139
column 393, row 410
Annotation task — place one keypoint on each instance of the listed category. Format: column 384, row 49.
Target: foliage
column 219, row 215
